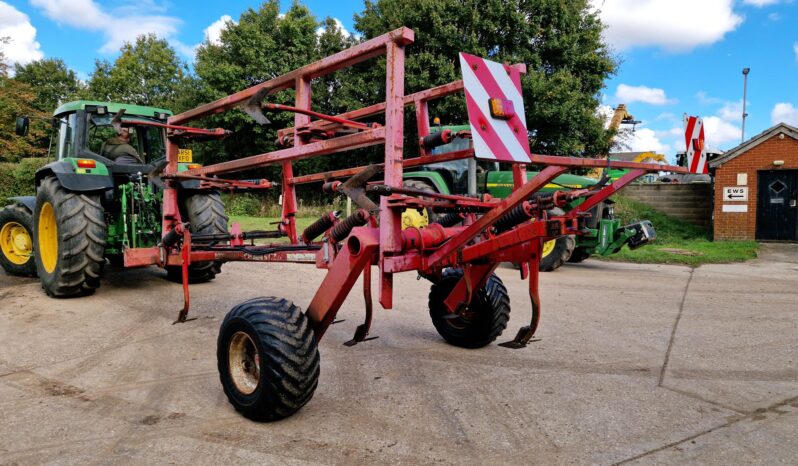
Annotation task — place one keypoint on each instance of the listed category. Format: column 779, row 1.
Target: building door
column 777, row 205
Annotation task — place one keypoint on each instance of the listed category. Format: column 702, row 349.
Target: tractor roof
column 113, row 107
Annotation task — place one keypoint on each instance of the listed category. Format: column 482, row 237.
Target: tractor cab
column 83, row 129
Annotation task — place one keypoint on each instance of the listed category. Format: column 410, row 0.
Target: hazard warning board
column 495, row 110
column 694, row 140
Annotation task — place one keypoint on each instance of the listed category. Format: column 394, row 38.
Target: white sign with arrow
column 735, row 193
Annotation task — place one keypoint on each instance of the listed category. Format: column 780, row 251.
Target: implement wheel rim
column 548, row 247
column 16, row 243
column 244, row 363
column 48, row 237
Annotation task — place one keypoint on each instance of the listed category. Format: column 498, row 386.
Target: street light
column 745, row 92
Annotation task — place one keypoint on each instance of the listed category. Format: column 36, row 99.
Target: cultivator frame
column 493, row 230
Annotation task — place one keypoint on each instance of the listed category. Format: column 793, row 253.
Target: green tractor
column 92, row 203
column 604, row 236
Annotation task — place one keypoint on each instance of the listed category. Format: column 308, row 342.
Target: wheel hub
column 244, row 363
column 15, row 243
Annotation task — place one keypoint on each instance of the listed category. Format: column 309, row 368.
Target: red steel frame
column 473, row 247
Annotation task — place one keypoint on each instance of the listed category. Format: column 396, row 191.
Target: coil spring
column 342, row 230
column 319, row 226
column 517, row 215
column 449, row 220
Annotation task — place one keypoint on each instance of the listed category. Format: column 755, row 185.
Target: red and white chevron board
column 502, row 139
column 694, row 142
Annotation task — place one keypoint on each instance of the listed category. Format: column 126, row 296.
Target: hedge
column 17, row 179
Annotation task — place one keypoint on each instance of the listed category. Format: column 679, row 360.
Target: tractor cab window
column 65, row 141
column 147, row 140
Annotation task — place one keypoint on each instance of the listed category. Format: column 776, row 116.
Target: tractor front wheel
column 205, row 214
column 16, row 241
column 268, row 358
column 478, row 325
column 69, row 243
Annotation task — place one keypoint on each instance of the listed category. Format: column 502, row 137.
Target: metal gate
column 777, row 205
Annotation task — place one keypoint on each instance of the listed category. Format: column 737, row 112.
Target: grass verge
column 677, row 242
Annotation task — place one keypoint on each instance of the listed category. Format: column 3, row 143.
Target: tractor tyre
column 557, row 251
column 579, row 255
column 268, row 358
column 484, row 320
column 418, row 218
column 16, row 241
column 205, row 214
column 69, row 239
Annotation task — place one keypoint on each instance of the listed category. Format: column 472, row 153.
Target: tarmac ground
column 638, row 364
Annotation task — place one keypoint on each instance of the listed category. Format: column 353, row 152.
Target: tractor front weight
column 469, row 304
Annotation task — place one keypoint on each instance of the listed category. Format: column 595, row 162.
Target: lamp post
column 745, row 92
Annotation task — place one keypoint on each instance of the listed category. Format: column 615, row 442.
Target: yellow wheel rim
column 548, row 246
column 48, row 237
column 414, row 218
column 15, row 242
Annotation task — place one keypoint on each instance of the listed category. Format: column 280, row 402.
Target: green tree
column 53, row 81
column 17, row 99
column 147, row 72
column 559, row 41
column 262, row 45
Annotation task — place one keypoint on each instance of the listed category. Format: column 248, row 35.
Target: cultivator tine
column 253, row 107
column 355, row 188
column 183, row 314
column 525, row 334
column 362, row 330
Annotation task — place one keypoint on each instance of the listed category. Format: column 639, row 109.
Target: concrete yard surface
column 636, row 364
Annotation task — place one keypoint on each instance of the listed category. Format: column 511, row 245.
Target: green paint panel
column 500, row 183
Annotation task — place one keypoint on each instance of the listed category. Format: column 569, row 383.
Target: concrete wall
column 689, row 202
column 742, row 225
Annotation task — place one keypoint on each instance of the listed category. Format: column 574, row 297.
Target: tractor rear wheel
column 16, row 241
column 205, row 214
column 69, row 240
column 480, row 324
column 268, row 358
column 579, row 255
column 557, row 251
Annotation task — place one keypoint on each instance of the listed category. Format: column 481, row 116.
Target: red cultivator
column 267, row 353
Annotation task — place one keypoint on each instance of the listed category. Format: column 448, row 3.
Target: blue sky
column 678, row 56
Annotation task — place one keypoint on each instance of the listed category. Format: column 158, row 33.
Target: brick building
column 756, row 188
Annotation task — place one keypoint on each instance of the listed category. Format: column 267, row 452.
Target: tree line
column 559, row 41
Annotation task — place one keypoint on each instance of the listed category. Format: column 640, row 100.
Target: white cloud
column 795, row 49
column 118, row 26
column 338, row 24
column 649, row 95
column 732, row 111
column 784, row 112
column 719, row 132
column 675, row 25
column 646, row 139
column 213, row 33
column 760, row 3
column 22, row 46
column 605, row 112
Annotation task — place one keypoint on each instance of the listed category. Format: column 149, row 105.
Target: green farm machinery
column 604, row 234
column 90, row 207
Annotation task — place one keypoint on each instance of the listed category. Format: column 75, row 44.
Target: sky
column 677, row 56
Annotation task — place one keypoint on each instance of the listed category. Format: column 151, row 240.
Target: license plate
column 185, row 156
